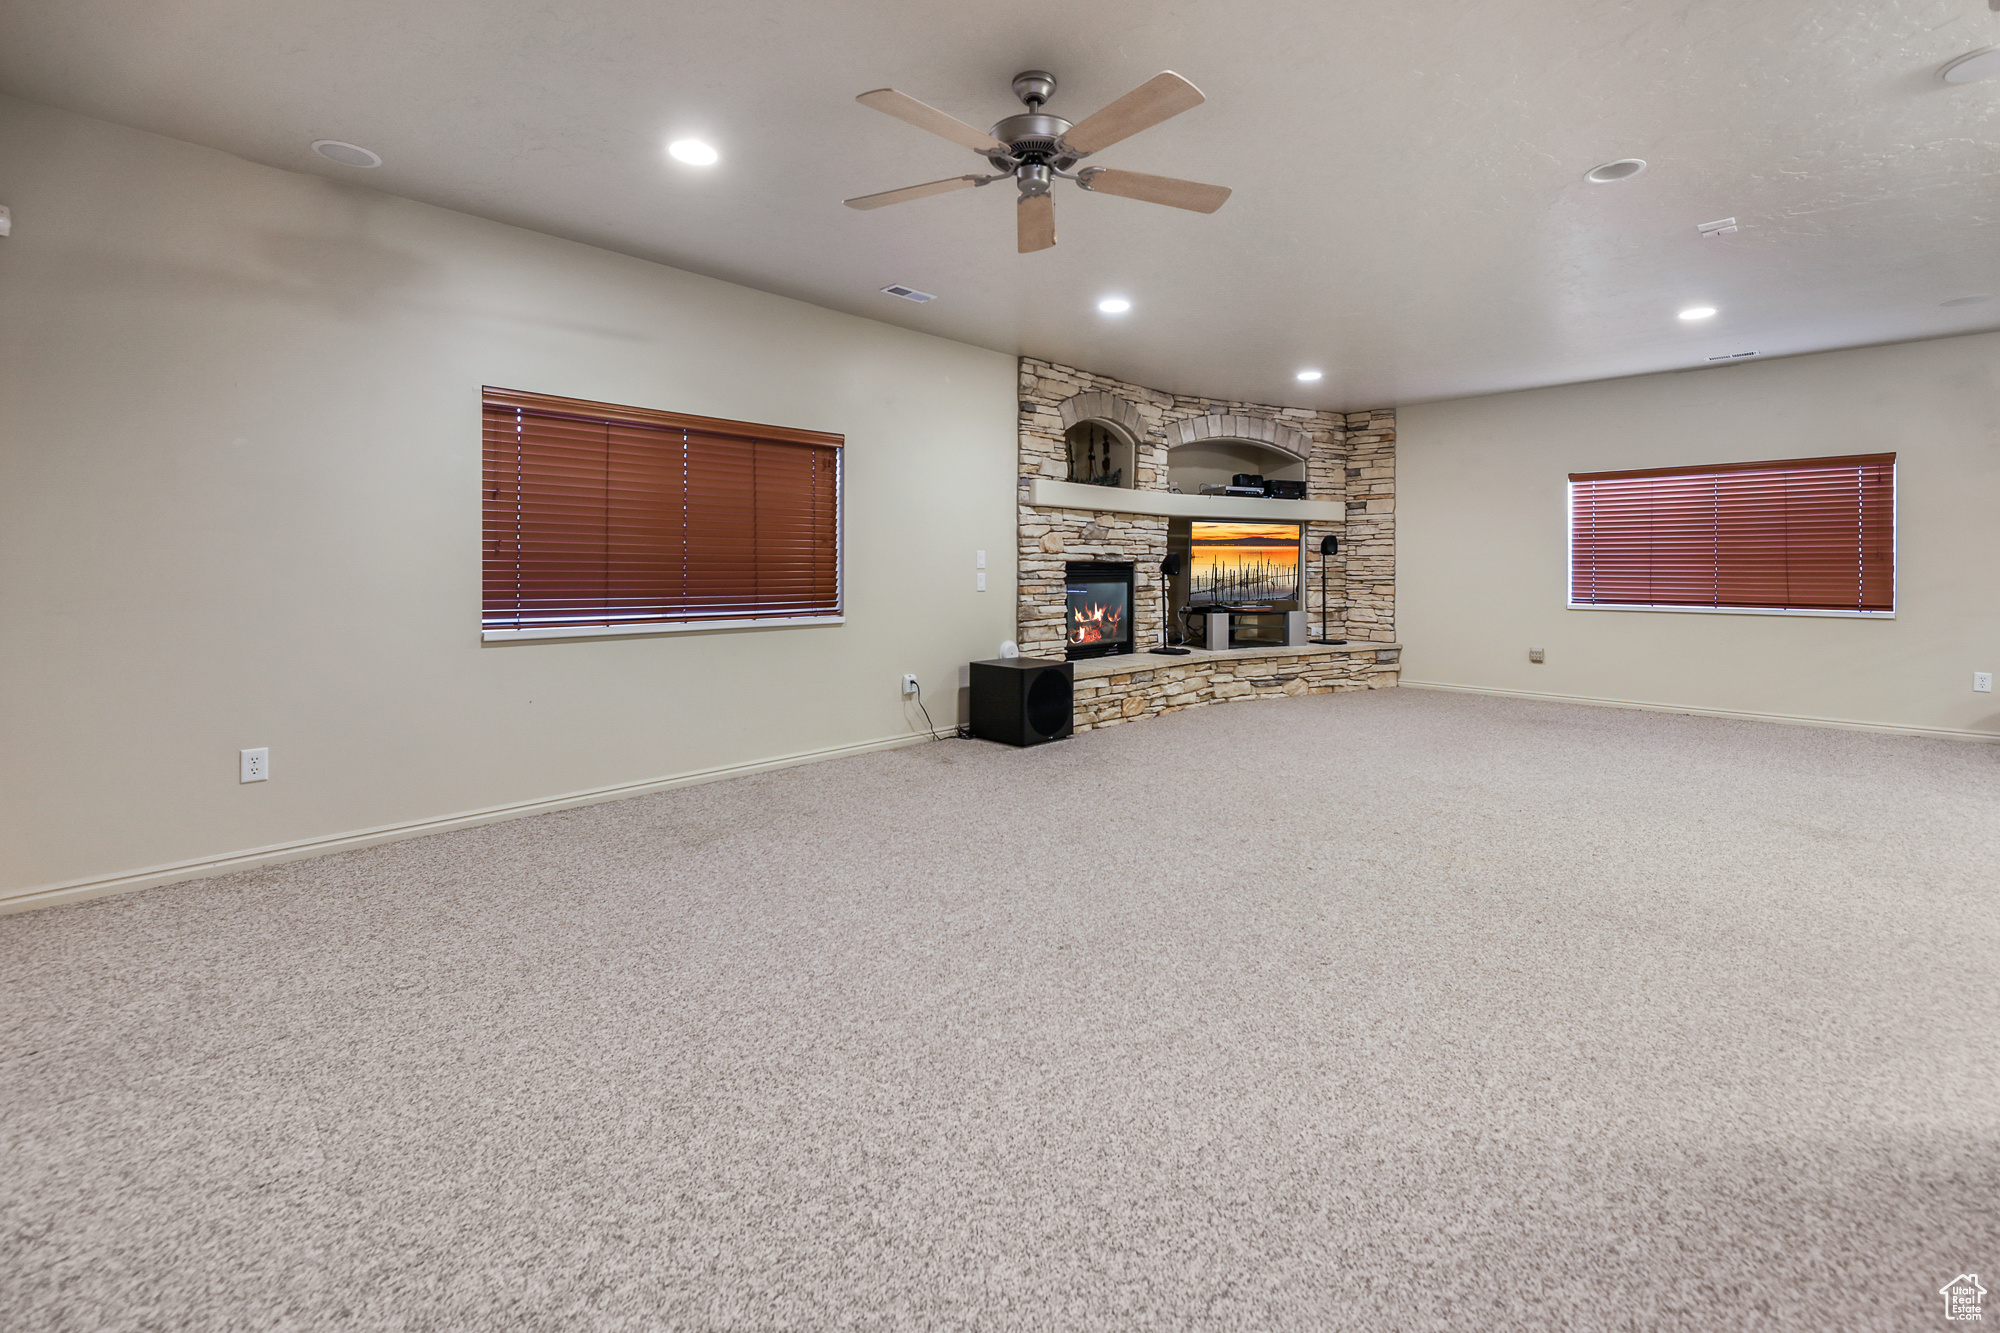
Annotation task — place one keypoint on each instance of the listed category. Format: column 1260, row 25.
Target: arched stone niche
column 1209, row 450
column 1102, row 433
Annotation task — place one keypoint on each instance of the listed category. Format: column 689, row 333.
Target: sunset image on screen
column 1243, row 562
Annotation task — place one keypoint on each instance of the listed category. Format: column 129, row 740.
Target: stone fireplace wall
column 1352, row 458
column 1368, row 547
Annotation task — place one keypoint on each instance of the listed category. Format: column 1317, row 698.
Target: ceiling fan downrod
column 1034, row 87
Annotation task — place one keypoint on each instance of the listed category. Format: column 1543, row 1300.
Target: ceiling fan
column 1034, row 148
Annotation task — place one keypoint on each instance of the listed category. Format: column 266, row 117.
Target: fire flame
column 1096, row 624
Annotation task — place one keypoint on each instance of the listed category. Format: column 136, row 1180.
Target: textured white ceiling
column 1409, row 212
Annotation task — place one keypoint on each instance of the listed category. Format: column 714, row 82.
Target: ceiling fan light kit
column 1034, row 149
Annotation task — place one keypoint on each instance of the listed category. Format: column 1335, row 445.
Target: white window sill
column 653, row 627
column 1730, row 610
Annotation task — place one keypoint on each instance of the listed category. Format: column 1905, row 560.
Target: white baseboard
column 153, row 876
column 1789, row 719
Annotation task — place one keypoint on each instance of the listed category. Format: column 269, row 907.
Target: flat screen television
column 1236, row 564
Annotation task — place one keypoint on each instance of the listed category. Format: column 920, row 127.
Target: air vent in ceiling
column 1733, row 356
column 1720, row 227
column 909, row 293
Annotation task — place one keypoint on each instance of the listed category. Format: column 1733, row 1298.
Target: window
column 605, row 520
column 1806, row 536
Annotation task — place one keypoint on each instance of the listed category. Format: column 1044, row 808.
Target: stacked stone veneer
column 1368, row 548
column 1155, row 685
column 1349, row 457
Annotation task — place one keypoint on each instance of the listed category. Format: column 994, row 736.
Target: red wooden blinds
column 1807, row 534
column 603, row 515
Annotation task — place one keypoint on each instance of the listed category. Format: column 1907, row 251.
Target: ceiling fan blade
column 907, row 108
column 1035, row 222
column 909, row 192
column 1158, row 98
column 1191, row 195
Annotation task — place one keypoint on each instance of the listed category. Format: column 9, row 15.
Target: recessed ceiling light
column 1965, row 300
column 347, row 154
column 1114, row 305
column 1308, row 376
column 693, row 152
column 1698, row 312
column 1623, row 169
column 1972, row 66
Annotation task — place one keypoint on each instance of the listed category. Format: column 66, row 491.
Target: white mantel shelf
column 1046, row 494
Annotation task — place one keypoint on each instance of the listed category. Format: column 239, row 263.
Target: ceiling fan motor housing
column 1032, row 139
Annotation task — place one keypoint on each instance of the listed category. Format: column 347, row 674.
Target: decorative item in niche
column 1091, row 446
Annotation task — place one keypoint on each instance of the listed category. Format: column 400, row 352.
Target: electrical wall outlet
column 1534, row 654
column 981, row 576
column 1982, row 682
column 909, row 684
column 256, row 764
column 980, row 562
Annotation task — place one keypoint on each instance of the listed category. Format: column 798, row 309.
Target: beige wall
column 239, row 506
column 1481, row 542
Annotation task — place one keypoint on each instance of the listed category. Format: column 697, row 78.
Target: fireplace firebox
column 1100, row 607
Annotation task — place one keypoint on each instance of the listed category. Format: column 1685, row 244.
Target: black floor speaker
column 1021, row 700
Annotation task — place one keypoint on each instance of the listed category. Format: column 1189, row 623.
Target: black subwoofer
column 1021, row 700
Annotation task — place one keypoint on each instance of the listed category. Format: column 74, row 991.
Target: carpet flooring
column 1391, row 1010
